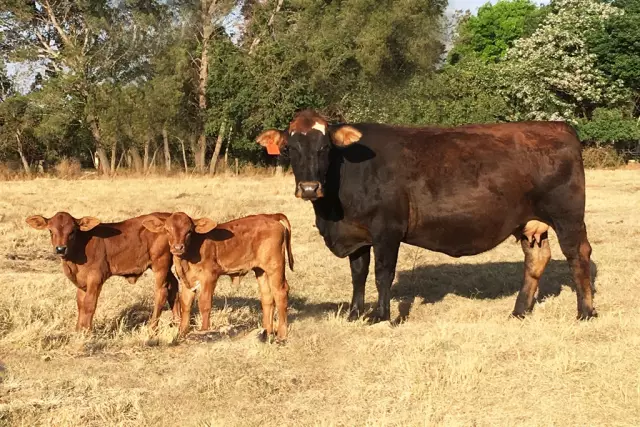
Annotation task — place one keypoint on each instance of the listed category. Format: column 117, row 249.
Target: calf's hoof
column 265, row 337
column 587, row 314
column 517, row 315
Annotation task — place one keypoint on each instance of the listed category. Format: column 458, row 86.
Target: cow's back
column 458, row 190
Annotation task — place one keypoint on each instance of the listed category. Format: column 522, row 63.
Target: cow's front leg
column 359, row 262
column 386, row 257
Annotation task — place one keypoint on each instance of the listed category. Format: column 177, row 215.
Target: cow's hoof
column 281, row 341
column 587, row 314
column 374, row 318
column 353, row 316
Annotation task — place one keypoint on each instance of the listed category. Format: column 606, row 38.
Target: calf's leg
column 160, row 294
column 266, row 300
column 90, row 303
column 280, row 293
column 536, row 258
column 186, row 300
column 80, row 302
column 205, row 299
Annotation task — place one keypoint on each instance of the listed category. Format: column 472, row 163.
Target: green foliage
column 609, row 126
column 617, row 44
column 495, row 28
column 552, row 74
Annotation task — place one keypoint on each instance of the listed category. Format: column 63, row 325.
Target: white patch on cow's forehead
column 319, row 126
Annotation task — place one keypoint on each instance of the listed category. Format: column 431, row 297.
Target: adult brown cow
column 460, row 191
column 203, row 251
column 92, row 251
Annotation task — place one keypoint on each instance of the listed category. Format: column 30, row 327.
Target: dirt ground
column 456, row 358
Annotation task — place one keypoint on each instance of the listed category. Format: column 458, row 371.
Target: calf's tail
column 287, row 237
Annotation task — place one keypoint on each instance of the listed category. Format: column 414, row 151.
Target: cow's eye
column 324, row 148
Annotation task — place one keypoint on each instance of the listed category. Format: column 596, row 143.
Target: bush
column 601, row 158
column 68, row 168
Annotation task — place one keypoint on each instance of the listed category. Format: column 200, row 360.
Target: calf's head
column 64, row 229
column 310, row 142
column 179, row 227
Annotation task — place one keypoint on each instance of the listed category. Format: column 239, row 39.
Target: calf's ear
column 153, row 224
column 87, row 223
column 37, row 221
column 273, row 140
column 204, row 225
column 345, row 135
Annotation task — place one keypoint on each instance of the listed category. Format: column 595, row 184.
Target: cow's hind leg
column 536, row 258
column 576, row 248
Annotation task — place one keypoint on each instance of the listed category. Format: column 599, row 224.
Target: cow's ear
column 345, row 135
column 153, row 224
column 273, row 140
column 87, row 223
column 204, row 225
column 37, row 221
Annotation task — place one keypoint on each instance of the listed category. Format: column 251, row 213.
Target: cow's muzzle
column 309, row 190
column 60, row 250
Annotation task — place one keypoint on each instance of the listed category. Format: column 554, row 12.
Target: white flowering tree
column 551, row 75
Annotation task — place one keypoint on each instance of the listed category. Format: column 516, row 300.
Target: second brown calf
column 204, row 250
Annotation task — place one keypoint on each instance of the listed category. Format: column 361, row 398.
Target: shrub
column 68, row 168
column 601, row 158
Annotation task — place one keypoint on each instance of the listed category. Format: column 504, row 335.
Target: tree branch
column 56, row 25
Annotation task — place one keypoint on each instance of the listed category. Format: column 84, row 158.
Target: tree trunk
column 184, row 156
column 114, row 153
column 25, row 163
column 216, row 151
column 102, row 155
column 147, row 143
column 136, row 160
column 207, row 30
column 167, row 153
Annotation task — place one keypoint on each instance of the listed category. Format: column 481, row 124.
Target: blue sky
column 472, row 5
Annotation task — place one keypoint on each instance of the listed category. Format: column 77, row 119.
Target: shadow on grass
column 476, row 281
column 431, row 283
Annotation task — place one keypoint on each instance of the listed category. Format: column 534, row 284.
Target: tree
column 552, row 74
column 617, row 46
column 86, row 44
column 18, row 118
column 495, row 28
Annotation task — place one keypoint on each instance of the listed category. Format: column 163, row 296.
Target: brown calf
column 204, row 250
column 92, row 252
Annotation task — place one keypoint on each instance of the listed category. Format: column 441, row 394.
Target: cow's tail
column 287, row 237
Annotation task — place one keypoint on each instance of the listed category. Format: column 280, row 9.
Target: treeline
column 180, row 83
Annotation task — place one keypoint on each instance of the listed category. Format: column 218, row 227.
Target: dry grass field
column 455, row 358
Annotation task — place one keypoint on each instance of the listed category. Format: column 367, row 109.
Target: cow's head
column 179, row 227
column 310, row 141
column 64, row 229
